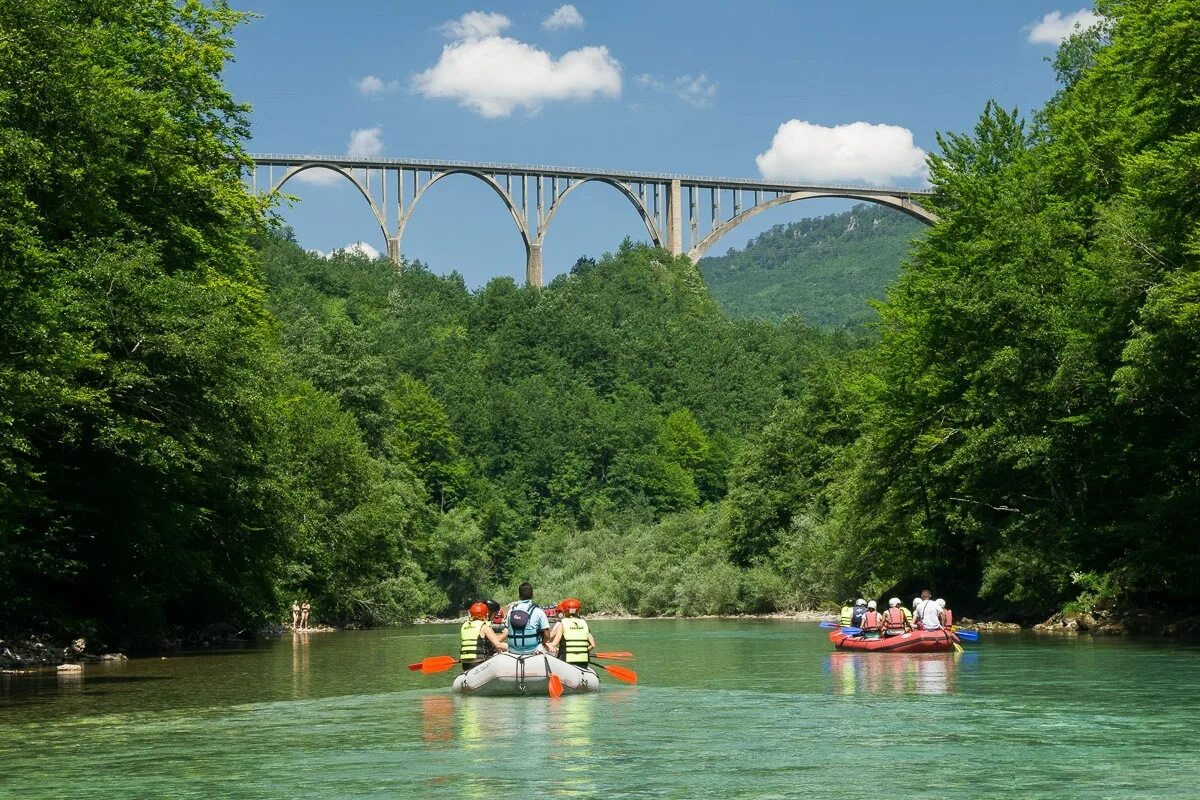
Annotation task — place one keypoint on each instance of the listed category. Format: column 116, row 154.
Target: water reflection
column 572, row 735
column 550, row 728
column 896, row 673
column 299, row 665
column 437, row 719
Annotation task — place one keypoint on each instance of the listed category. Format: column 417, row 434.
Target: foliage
column 822, row 269
column 199, row 421
column 134, row 346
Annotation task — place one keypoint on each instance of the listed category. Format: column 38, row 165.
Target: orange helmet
column 570, row 606
column 479, row 611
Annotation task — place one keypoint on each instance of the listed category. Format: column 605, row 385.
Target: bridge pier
column 393, row 250
column 533, row 266
column 675, row 217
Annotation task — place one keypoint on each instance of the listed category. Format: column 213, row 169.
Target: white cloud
column 365, row 143
column 360, row 248
column 476, row 25
column 495, row 75
column 372, row 85
column 1054, row 27
column 563, row 18
column 318, row 176
column 698, row 91
column 860, row 151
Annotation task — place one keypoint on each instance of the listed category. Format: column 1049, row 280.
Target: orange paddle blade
column 619, row 655
column 555, row 686
column 620, row 673
column 434, row 664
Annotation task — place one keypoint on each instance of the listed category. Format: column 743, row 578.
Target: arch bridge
column 658, row 198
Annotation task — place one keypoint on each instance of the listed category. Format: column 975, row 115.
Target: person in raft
column 570, row 639
column 856, row 614
column 930, row 615
column 872, row 622
column 895, row 619
column 477, row 641
column 496, row 614
column 919, row 604
column 947, row 614
column 527, row 624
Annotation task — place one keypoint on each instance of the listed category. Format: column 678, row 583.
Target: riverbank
column 30, row 653
column 42, row 652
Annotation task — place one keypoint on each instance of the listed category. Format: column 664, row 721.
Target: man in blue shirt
column 527, row 624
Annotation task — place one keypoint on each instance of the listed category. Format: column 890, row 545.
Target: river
column 724, row 709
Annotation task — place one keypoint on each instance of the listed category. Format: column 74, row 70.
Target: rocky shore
column 1133, row 622
column 38, row 653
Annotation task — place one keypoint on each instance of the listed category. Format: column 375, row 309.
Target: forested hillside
column 200, row 421
column 613, row 397
column 823, row 269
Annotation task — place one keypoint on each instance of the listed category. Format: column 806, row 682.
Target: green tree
column 134, row 344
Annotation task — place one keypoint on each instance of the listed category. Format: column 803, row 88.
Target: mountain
column 823, row 269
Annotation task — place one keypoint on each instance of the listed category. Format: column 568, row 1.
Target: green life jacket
column 575, row 639
column 472, row 644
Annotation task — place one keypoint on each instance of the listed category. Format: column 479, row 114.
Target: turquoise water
column 724, row 708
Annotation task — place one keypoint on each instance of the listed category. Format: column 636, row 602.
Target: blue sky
column 846, row 92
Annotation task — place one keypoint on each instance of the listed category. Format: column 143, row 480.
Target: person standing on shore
column 295, row 614
column 304, row 609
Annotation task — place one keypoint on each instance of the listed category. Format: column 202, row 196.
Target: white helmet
column 895, row 601
column 916, row 600
column 941, row 603
column 871, row 604
column 860, row 602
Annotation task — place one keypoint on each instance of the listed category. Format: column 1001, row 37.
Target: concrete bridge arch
column 900, row 204
column 658, row 198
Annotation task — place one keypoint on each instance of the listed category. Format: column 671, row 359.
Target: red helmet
column 479, row 611
column 570, row 606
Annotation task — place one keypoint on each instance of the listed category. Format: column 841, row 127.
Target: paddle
column 434, row 664
column 555, row 685
column 620, row 673
column 621, row 655
column 967, row 636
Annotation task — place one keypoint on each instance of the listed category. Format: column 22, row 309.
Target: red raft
column 939, row 641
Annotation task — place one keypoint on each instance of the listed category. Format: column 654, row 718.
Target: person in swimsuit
column 295, row 614
column 304, row 609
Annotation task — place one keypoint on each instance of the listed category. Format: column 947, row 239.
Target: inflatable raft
column 939, row 641
column 506, row 673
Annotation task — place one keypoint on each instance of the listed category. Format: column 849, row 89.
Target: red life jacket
column 949, row 620
column 894, row 619
column 871, row 621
